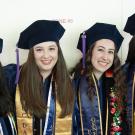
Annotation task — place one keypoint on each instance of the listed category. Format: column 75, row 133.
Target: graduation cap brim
column 1, row 45
column 101, row 31
column 130, row 25
column 40, row 31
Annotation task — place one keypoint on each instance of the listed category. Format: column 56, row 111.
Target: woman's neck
column 45, row 74
column 97, row 74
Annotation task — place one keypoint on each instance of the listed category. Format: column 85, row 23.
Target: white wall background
column 76, row 16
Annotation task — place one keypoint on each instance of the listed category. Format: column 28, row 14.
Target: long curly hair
column 118, row 75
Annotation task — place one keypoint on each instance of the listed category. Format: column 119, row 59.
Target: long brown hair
column 31, row 86
column 119, row 77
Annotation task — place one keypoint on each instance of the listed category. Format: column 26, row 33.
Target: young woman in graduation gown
column 7, row 121
column 43, row 95
column 100, row 106
column 129, row 68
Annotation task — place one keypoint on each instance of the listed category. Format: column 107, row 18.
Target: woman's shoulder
column 10, row 75
column 78, row 78
column 9, row 67
column 128, row 67
column 9, row 70
column 125, row 66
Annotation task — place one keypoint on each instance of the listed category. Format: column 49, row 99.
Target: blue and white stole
column 49, row 127
column 4, row 129
column 133, row 109
column 90, row 111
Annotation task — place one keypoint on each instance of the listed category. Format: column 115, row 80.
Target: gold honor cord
column 41, row 127
column 107, row 119
column 98, row 103
column 80, row 106
column 98, row 108
column 133, row 119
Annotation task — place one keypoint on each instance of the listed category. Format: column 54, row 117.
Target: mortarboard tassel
column 83, row 48
column 18, row 72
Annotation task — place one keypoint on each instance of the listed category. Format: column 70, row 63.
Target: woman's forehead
column 105, row 43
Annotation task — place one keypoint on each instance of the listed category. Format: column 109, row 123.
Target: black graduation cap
column 1, row 45
column 40, row 31
column 130, row 25
column 100, row 31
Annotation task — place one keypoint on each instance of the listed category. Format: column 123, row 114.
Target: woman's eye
column 51, row 49
column 38, row 50
column 111, row 52
column 100, row 50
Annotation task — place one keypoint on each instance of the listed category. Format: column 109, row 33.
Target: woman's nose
column 45, row 54
column 105, row 56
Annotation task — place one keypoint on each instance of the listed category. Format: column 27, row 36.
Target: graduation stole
column 1, row 131
column 13, row 124
column 60, row 125
column 52, row 86
column 114, row 109
column 93, row 119
column 133, row 111
column 3, row 125
column 63, row 125
column 24, row 121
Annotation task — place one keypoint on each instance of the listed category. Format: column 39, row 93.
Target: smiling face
column 46, row 56
column 102, row 56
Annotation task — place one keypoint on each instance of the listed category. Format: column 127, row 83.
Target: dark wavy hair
column 31, row 86
column 118, row 75
column 131, row 51
column 6, row 105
